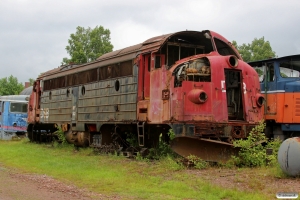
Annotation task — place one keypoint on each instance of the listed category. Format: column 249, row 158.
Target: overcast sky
column 34, row 33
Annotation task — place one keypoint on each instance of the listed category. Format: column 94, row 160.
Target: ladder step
column 141, row 133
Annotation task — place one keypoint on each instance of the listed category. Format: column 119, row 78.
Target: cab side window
column 270, row 73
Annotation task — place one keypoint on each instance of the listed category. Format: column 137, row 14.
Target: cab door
column 146, row 78
column 158, row 111
column 270, row 89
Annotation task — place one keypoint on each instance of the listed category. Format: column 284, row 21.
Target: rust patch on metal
column 64, row 127
column 206, row 149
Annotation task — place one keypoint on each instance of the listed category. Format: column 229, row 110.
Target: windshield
column 224, row 49
column 18, row 107
column 289, row 69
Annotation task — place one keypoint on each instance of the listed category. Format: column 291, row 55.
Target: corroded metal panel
column 57, row 107
column 103, row 103
column 32, row 104
column 99, row 103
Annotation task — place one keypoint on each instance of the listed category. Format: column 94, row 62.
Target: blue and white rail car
column 13, row 116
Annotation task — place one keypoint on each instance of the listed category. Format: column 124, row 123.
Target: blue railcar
column 13, row 116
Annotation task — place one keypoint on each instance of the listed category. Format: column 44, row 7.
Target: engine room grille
column 297, row 107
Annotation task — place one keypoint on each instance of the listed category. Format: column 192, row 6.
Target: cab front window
column 18, row 107
column 289, row 69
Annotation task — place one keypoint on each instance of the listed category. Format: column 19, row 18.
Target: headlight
column 232, row 61
column 260, row 100
column 197, row 96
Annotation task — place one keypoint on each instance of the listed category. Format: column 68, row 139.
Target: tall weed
column 163, row 149
column 253, row 149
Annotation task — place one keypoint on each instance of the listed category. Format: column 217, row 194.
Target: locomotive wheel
column 206, row 149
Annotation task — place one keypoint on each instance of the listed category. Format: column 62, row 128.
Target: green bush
column 163, row 149
column 61, row 135
column 253, row 149
column 132, row 139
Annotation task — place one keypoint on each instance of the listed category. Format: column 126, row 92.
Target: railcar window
column 173, row 54
column 126, row 68
column 87, row 76
column 177, row 51
column 116, row 70
column 18, row 107
column 186, row 52
column 110, row 71
column 61, row 82
column 47, row 85
column 289, row 69
column 224, row 49
column 270, row 73
column 102, row 73
column 157, row 62
column 72, row 79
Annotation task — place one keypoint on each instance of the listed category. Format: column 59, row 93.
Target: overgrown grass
column 112, row 175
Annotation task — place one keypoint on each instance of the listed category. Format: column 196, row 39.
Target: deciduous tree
column 259, row 49
column 87, row 45
column 31, row 81
column 10, row 86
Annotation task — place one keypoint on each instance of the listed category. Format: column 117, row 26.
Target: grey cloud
column 34, row 33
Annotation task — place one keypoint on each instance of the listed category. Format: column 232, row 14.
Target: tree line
column 87, row 44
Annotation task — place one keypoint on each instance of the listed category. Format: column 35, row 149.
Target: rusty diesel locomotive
column 193, row 82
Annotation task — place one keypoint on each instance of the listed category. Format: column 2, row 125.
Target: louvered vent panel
column 297, row 107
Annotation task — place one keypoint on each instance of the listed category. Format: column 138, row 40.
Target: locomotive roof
column 15, row 98
column 153, row 44
column 26, row 91
column 290, row 57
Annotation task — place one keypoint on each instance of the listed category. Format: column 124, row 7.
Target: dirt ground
column 17, row 186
